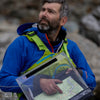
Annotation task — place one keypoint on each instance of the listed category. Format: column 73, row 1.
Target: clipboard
column 73, row 86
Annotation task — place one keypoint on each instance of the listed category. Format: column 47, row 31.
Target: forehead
column 54, row 6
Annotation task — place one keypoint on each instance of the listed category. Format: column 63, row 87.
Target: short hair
column 64, row 10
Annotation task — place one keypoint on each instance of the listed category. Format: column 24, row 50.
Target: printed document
column 69, row 87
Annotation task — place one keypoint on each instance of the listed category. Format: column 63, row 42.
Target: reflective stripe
column 51, row 55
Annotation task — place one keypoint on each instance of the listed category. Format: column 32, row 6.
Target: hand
column 68, row 70
column 80, row 71
column 49, row 86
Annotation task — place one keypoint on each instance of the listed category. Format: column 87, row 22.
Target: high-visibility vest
column 32, row 37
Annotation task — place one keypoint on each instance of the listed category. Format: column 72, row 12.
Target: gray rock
column 72, row 27
column 91, row 23
column 2, row 52
column 91, row 28
column 96, row 12
column 4, row 39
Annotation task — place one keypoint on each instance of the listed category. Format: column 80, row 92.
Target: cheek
column 40, row 16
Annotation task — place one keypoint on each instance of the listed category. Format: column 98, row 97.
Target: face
column 49, row 17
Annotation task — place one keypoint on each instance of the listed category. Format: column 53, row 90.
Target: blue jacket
column 22, row 53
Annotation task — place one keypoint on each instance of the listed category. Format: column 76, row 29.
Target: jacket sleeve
column 12, row 64
column 81, row 63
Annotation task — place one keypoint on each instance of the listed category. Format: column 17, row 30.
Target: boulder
column 90, row 28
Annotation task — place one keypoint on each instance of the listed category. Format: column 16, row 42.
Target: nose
column 45, row 13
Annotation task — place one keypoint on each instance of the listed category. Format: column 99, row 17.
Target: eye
column 51, row 11
column 43, row 9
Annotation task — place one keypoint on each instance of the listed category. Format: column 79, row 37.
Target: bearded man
column 22, row 53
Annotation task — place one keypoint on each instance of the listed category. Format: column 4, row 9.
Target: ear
column 63, row 21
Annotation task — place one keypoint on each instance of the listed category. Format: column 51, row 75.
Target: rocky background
column 83, row 27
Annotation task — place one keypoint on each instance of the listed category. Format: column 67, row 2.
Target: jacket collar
column 27, row 27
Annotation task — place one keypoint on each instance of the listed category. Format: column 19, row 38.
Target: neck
column 53, row 34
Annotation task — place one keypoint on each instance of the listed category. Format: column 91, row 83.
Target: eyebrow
column 50, row 9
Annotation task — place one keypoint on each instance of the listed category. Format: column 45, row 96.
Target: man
column 22, row 53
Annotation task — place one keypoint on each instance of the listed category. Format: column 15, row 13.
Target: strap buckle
column 31, row 33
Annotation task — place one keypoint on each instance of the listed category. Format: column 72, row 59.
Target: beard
column 48, row 26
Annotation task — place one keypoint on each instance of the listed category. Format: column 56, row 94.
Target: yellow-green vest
column 32, row 37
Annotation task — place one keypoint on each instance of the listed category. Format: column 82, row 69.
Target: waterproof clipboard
column 73, row 86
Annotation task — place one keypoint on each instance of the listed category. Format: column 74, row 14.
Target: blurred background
column 83, row 27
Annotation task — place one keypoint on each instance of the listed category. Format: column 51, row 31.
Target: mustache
column 44, row 18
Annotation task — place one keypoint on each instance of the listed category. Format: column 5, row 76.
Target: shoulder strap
column 32, row 36
column 64, row 47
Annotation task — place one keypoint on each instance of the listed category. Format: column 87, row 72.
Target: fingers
column 51, row 90
column 69, row 70
column 58, row 89
column 55, row 85
column 49, row 86
column 57, row 81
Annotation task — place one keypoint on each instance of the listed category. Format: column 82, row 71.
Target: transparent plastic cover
column 58, row 67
